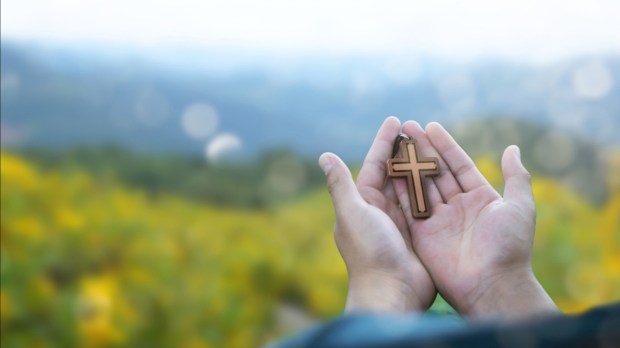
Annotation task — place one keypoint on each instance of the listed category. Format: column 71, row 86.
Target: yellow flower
column 17, row 172
column 196, row 343
column 325, row 300
column 27, row 226
column 66, row 218
column 95, row 307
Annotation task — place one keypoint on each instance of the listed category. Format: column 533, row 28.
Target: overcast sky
column 521, row 29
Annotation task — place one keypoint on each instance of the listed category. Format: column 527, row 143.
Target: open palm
column 372, row 233
column 474, row 237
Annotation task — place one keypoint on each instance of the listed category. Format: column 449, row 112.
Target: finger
column 339, row 182
column 445, row 183
column 374, row 169
column 461, row 165
column 518, row 185
column 434, row 195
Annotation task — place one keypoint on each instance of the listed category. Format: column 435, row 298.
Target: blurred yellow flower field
column 93, row 263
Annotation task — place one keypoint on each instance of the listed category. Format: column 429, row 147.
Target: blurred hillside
column 62, row 96
column 277, row 176
column 172, row 107
column 273, row 178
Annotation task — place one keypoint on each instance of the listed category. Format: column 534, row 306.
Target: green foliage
column 248, row 185
column 94, row 262
column 99, row 264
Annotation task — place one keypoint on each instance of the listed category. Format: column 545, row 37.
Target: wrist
column 379, row 292
column 512, row 294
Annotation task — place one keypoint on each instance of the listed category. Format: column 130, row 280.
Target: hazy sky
column 532, row 29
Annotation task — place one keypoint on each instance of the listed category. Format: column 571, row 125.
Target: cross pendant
column 414, row 168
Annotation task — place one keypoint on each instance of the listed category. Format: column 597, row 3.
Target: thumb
column 339, row 181
column 518, row 185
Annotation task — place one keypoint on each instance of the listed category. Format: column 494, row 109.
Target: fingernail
column 325, row 163
column 518, row 152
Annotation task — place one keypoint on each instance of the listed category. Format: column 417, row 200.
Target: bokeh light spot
column 592, row 80
column 199, row 120
column 221, row 145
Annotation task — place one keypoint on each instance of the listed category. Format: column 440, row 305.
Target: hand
column 372, row 234
column 476, row 245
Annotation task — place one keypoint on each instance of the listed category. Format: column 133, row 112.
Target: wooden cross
column 415, row 168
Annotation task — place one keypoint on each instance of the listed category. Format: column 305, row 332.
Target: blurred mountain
column 58, row 96
column 577, row 162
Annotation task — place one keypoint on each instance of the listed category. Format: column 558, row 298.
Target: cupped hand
column 476, row 244
column 372, row 233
